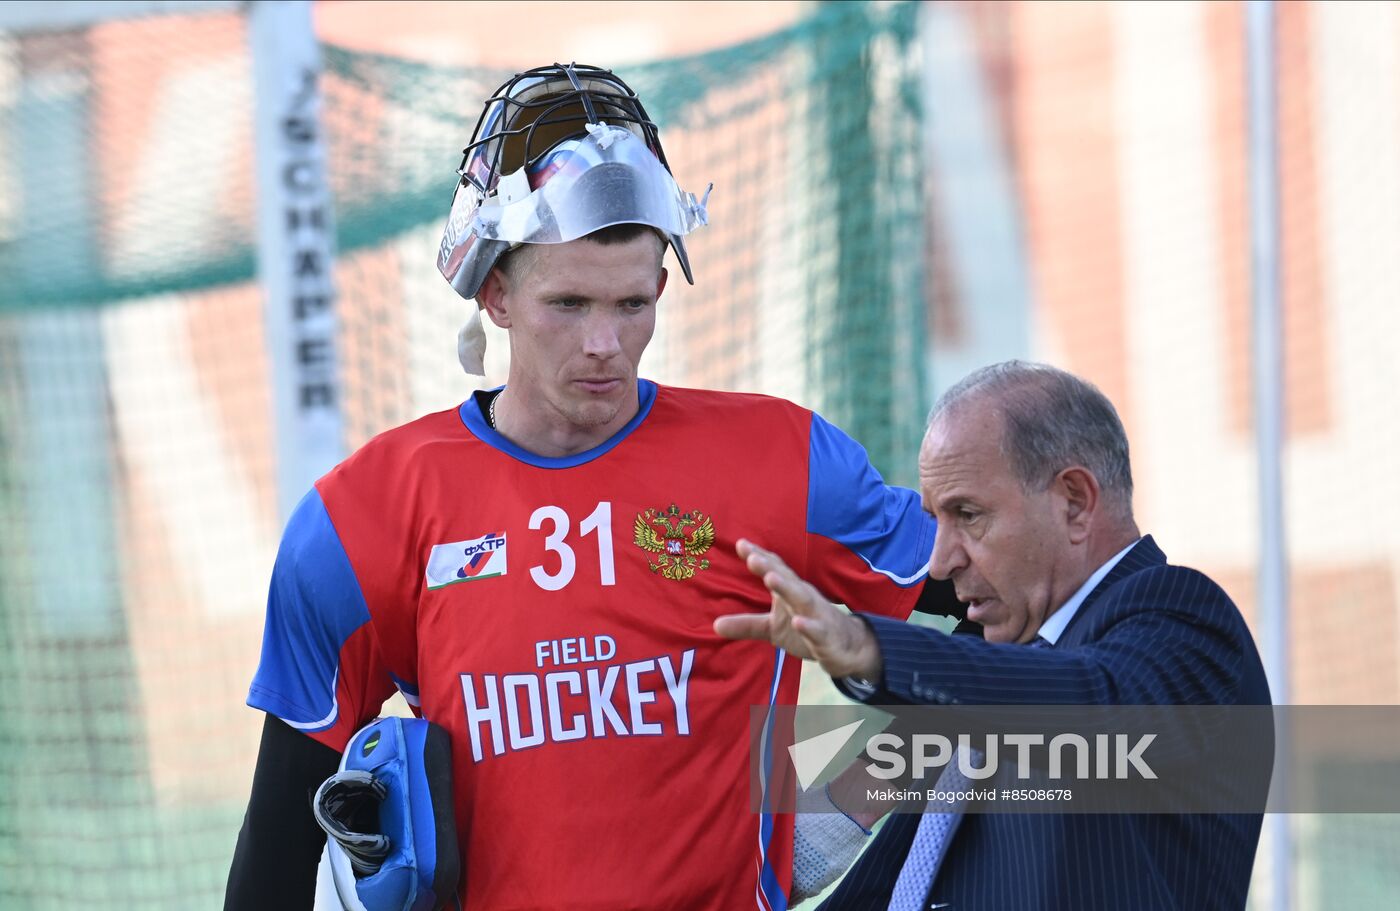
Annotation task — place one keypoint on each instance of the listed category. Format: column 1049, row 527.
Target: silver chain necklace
column 491, row 411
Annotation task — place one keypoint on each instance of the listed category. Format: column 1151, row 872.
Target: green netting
column 137, row 513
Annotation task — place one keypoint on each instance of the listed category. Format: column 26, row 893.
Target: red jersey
column 554, row 615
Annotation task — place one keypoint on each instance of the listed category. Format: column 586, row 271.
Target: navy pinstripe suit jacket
column 1148, row 634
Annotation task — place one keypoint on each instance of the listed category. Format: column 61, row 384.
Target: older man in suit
column 1025, row 467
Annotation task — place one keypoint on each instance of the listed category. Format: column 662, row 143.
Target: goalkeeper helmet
column 559, row 152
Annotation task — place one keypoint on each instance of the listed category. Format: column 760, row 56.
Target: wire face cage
column 536, row 110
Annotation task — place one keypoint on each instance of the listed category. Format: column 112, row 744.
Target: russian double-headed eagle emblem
column 680, row 539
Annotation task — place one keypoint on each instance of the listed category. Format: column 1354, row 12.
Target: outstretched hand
column 802, row 622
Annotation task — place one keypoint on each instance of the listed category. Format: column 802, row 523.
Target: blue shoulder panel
column 848, row 502
column 313, row 607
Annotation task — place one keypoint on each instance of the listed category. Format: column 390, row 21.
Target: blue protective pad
column 412, row 759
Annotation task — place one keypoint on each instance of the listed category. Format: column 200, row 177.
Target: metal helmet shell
column 559, row 152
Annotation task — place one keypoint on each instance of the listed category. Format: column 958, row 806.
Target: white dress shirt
column 1055, row 624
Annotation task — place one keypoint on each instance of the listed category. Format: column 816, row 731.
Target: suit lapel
column 1144, row 555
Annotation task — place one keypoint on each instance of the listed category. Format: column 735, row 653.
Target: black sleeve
column 279, row 847
column 938, row 597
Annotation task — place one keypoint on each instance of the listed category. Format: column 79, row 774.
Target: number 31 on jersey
column 599, row 521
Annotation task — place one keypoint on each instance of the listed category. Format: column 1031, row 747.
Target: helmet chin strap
column 471, row 344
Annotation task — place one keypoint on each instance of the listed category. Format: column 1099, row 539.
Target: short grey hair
column 1050, row 420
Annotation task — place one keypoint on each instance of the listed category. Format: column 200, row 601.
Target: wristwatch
column 861, row 687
